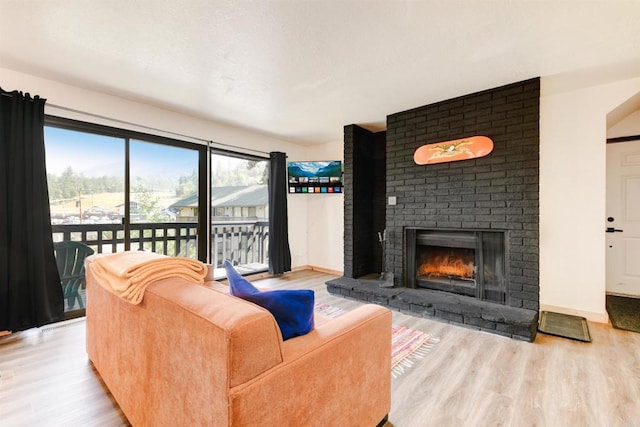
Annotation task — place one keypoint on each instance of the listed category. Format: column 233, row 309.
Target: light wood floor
column 469, row 378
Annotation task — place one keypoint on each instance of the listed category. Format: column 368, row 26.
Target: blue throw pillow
column 292, row 309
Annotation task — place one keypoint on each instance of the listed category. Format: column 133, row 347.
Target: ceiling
column 300, row 69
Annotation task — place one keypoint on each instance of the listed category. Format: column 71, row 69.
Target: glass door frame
column 204, row 206
column 236, row 155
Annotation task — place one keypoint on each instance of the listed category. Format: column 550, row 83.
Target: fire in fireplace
column 470, row 263
column 436, row 262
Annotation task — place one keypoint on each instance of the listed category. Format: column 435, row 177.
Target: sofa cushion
column 292, row 309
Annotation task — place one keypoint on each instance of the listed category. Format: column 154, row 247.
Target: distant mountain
column 313, row 169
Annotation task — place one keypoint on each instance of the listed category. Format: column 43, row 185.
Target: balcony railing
column 242, row 242
column 245, row 243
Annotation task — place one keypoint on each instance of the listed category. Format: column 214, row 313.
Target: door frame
column 632, row 138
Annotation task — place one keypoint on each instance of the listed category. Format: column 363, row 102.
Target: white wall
column 325, row 213
column 113, row 107
column 629, row 126
column 572, row 193
column 572, row 179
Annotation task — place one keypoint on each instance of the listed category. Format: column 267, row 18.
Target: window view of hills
column 86, row 179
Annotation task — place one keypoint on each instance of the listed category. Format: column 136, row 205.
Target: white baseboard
column 620, row 294
column 589, row 315
column 319, row 269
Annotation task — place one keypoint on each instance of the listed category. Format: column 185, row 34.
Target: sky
column 97, row 155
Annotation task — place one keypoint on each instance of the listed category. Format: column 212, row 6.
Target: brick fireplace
column 463, row 262
column 449, row 209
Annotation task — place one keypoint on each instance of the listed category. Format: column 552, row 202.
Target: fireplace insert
column 470, row 263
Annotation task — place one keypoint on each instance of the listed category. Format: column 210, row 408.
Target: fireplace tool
column 386, row 277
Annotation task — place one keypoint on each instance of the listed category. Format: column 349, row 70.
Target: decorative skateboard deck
column 451, row 151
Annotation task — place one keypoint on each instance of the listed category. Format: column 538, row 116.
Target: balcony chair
column 70, row 259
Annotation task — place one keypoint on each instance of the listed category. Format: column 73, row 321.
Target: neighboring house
column 231, row 203
column 187, row 208
column 134, row 208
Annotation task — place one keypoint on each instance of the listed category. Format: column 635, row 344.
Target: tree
column 259, row 169
column 69, row 183
column 187, row 184
column 149, row 204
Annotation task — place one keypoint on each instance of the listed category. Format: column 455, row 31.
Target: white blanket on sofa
column 127, row 274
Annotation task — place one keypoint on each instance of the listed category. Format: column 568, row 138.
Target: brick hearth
column 456, row 309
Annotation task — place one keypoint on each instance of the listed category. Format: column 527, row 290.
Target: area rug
column 407, row 345
column 624, row 312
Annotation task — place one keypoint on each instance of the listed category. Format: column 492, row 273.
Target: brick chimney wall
column 496, row 192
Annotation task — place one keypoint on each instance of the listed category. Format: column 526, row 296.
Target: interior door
column 623, row 218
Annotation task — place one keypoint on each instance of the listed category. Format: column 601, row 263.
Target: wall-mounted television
column 315, row 177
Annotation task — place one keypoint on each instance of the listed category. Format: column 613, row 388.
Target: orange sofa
column 193, row 355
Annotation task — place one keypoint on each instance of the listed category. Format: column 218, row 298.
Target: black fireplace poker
column 386, row 277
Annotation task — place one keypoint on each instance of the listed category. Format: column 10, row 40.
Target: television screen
column 315, row 177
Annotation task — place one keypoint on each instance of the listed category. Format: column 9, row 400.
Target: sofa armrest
column 340, row 370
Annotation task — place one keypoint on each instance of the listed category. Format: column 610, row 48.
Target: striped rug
column 407, row 345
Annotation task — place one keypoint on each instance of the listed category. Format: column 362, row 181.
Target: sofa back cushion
column 250, row 335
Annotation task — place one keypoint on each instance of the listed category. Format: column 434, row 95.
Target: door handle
column 613, row 230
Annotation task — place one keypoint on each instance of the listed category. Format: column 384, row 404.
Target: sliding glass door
column 85, row 177
column 239, row 212
column 113, row 190
column 110, row 192
column 162, row 178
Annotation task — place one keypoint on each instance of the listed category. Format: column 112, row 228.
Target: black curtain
column 30, row 291
column 279, row 252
